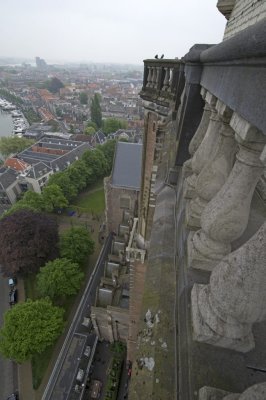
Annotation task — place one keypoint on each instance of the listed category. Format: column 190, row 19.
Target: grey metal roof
column 7, row 177
column 127, row 165
column 38, row 170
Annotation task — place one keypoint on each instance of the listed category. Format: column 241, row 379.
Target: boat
column 16, row 114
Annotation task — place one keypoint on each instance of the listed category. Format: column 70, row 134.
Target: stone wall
column 115, row 206
column 244, row 14
column 110, row 323
column 147, row 168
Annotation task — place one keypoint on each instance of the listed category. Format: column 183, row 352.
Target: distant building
column 40, row 63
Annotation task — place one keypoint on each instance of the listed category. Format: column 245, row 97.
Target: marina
column 12, row 121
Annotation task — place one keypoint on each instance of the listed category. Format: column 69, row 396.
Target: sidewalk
column 26, row 391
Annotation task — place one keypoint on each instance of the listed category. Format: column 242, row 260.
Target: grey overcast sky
column 117, row 31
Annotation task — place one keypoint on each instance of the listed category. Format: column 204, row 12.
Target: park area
column 87, row 211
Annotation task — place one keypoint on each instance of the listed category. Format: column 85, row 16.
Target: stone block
column 195, row 259
column 202, row 332
column 210, row 393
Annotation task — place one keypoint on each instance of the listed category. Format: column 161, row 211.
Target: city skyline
column 113, row 32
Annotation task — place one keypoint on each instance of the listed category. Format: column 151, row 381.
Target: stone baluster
column 206, row 148
column 213, row 176
column 225, row 217
column 149, row 78
column 224, row 311
column 198, row 136
column 155, row 77
column 255, row 392
column 170, row 81
column 166, row 79
column 202, row 128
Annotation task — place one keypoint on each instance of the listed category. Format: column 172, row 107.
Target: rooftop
column 127, row 165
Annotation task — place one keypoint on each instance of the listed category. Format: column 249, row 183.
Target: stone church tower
column 201, row 327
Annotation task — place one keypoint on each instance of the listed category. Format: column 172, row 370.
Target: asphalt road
column 8, row 375
column 76, row 327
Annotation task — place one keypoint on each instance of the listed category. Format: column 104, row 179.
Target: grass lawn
column 92, row 201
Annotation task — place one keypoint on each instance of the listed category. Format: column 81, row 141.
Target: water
column 6, row 124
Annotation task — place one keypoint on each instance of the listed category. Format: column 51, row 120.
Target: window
column 125, row 202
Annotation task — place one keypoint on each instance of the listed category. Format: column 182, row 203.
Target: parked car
column 13, row 296
column 12, row 281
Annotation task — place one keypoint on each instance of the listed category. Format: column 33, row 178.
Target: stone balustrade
column 224, row 218
column 160, row 80
column 224, row 311
column 255, row 392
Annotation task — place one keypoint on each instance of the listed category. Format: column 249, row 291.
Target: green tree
column 95, row 160
column 78, row 174
column 108, row 149
column 13, row 144
column 53, row 198
column 30, row 328
column 111, row 125
column 59, row 278
column 89, row 130
column 96, row 111
column 54, row 85
column 83, row 98
column 63, row 180
column 33, row 200
column 18, row 206
column 91, row 124
column 76, row 244
column 28, row 240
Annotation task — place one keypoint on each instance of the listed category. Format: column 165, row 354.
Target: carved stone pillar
column 207, row 147
column 213, row 176
column 223, row 311
column 225, row 217
column 255, row 392
column 198, row 136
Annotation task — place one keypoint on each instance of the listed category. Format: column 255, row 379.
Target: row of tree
column 31, row 245
column 13, row 144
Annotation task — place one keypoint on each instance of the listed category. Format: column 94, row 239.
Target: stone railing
column 160, row 80
column 133, row 253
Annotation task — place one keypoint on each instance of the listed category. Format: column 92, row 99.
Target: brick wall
column 147, row 168
column 47, row 150
column 244, row 14
column 114, row 212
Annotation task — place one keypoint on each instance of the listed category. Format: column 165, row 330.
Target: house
column 9, row 186
column 47, row 156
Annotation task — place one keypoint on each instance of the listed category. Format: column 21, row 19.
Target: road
column 8, row 376
column 76, row 327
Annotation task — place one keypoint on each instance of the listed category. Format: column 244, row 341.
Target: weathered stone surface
column 223, row 311
column 213, row 176
column 225, row 217
column 210, row 393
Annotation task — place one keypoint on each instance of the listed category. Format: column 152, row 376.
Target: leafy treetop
column 13, row 144
column 29, row 328
column 59, row 278
column 76, row 244
column 28, row 240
